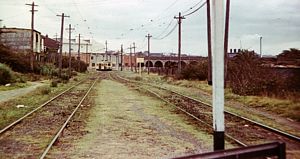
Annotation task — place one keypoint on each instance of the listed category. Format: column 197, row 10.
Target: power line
column 171, row 31
column 166, row 28
column 195, row 10
column 193, row 7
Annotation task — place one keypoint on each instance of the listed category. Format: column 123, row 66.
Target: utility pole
column 209, row 63
column 70, row 29
column 134, row 56
column 122, row 57
column 61, row 41
column 55, row 58
column 86, row 50
column 106, row 50
column 260, row 46
column 226, row 40
column 32, row 31
column 148, row 59
column 56, row 37
column 130, row 58
column 218, row 73
column 78, row 58
column 179, row 40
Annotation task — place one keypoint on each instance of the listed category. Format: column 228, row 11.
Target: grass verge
column 9, row 111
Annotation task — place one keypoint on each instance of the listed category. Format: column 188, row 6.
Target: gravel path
column 10, row 94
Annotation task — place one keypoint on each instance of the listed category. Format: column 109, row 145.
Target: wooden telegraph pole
column 209, row 63
column 70, row 29
column 122, row 57
column 130, row 57
column 134, row 56
column 87, row 51
column 61, row 41
column 32, row 32
column 148, row 58
column 226, row 40
column 218, row 73
column 106, row 50
column 179, row 40
column 78, row 58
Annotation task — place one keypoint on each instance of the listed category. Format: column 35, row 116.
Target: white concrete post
column 218, row 72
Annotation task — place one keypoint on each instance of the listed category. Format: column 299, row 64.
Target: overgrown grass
column 9, row 112
column 289, row 108
column 14, row 86
column 283, row 107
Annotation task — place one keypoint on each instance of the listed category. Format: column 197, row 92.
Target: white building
column 19, row 39
column 113, row 57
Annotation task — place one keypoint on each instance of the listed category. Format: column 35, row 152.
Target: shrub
column 196, row 71
column 44, row 90
column 247, row 77
column 54, row 83
column 138, row 78
column 47, row 69
column 6, row 74
column 75, row 65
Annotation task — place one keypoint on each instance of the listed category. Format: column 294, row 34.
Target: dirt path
column 8, row 95
column 125, row 124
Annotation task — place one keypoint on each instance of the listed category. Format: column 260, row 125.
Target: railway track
column 33, row 135
column 241, row 130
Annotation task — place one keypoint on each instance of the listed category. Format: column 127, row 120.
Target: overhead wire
column 193, row 7
column 170, row 23
column 195, row 10
column 171, row 31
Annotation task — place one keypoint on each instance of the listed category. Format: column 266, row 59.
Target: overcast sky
column 127, row 21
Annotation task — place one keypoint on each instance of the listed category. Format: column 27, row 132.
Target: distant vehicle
column 104, row 66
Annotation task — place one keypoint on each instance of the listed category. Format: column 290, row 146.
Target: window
column 93, row 64
column 36, row 38
column 92, row 57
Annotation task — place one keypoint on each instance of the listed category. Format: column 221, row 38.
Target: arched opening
column 168, row 64
column 149, row 64
column 158, row 64
column 183, row 64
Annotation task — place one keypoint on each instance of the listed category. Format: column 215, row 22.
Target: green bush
column 138, row 78
column 6, row 74
column 194, row 71
column 248, row 77
column 54, row 83
column 18, row 62
column 44, row 90
column 47, row 70
column 75, row 65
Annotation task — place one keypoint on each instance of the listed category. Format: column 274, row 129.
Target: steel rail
column 36, row 109
column 193, row 116
column 66, row 122
column 277, row 131
column 189, row 114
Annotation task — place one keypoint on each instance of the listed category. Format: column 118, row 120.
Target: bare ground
column 125, row 124
column 10, row 94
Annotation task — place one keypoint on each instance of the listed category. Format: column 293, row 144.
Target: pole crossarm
column 179, row 39
column 32, row 29
column 61, row 41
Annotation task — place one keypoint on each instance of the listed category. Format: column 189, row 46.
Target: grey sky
column 128, row 21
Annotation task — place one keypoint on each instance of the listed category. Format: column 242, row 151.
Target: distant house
column 19, row 39
column 51, row 48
